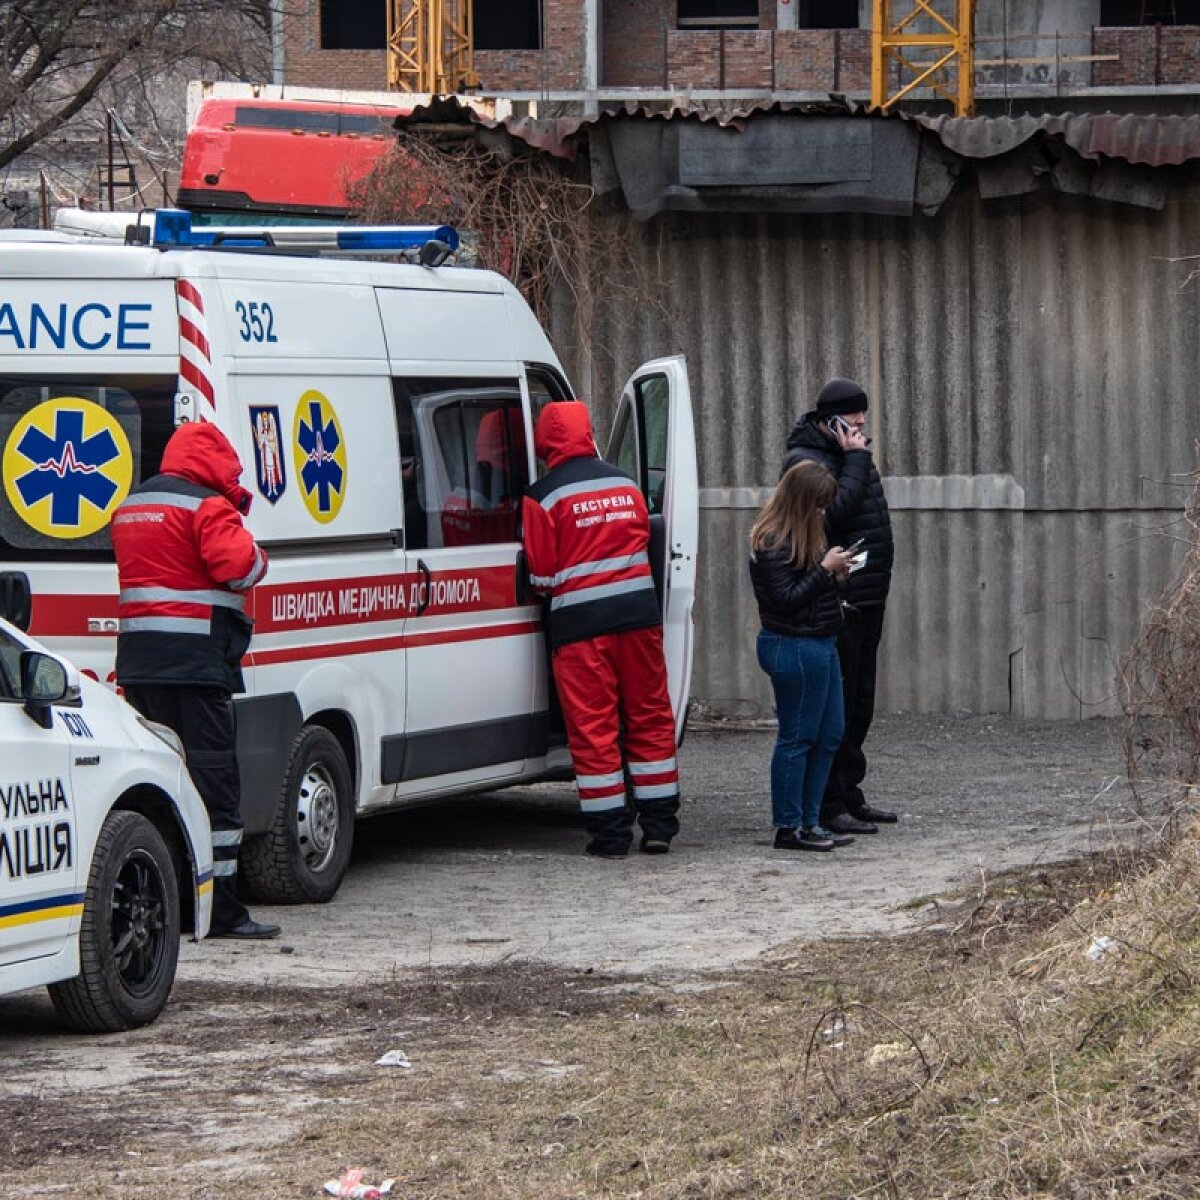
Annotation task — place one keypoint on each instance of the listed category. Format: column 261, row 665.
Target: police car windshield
column 71, row 448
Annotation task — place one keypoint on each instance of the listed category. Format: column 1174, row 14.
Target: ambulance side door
column 470, row 645
column 653, row 439
column 40, row 898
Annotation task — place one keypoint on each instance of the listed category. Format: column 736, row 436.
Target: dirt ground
column 487, row 911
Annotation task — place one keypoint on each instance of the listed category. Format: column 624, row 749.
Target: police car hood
column 201, row 453
column 564, row 431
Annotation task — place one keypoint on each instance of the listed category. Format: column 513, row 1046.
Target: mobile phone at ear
column 839, row 424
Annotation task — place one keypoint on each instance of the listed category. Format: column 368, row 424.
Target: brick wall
column 804, row 60
column 559, row 65
column 307, row 65
column 1179, row 54
column 511, row 70
column 1136, row 65
column 634, row 52
column 641, row 49
column 563, row 42
column 854, row 60
column 693, row 59
column 747, row 59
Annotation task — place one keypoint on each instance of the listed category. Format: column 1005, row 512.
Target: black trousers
column 203, row 719
column 858, row 649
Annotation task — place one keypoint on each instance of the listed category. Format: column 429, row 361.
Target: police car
column 383, row 414
column 105, row 848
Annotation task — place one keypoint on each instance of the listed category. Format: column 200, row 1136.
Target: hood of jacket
column 563, row 432
column 200, row 453
column 807, row 432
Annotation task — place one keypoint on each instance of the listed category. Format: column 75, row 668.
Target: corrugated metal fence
column 1032, row 368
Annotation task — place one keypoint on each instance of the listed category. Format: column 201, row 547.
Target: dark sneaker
column 876, row 816
column 801, row 839
column 655, row 846
column 838, row 839
column 605, row 850
column 845, row 823
column 249, row 930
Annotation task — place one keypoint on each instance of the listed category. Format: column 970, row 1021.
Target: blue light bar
column 173, row 228
column 399, row 237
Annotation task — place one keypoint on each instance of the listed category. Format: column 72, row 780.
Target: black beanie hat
column 840, row 396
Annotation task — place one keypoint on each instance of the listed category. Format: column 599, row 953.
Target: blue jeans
column 807, row 680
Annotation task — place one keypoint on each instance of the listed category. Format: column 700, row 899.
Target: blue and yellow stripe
column 48, row 908
column 204, row 883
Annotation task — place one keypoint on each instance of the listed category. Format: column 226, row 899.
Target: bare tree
column 63, row 60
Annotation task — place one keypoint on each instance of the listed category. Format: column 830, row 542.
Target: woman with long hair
column 796, row 577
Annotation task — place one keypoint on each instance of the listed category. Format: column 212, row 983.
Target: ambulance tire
column 129, row 934
column 303, row 857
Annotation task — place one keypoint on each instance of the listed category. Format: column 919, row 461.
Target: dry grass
column 987, row 1057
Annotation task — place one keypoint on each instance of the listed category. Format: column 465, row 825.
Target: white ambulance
column 383, row 412
column 105, row 848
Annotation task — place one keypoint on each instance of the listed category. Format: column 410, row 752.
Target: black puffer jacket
column 791, row 602
column 859, row 511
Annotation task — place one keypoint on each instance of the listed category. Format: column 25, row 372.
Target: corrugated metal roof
column 1152, row 139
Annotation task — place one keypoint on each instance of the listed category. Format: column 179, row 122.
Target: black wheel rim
column 139, row 923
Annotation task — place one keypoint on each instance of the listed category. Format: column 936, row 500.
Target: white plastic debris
column 1100, row 948
column 887, row 1051
column 352, row 1187
column 394, row 1058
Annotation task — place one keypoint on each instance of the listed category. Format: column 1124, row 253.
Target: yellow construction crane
column 902, row 27
column 430, row 46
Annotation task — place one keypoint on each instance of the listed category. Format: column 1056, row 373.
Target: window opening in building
column 717, row 14
column 1150, row 12
column 507, row 24
column 827, row 14
column 353, row 25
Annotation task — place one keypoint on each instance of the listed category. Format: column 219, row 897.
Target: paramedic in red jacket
column 586, row 537
column 186, row 562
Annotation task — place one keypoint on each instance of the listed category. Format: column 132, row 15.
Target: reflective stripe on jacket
column 587, row 531
column 185, row 560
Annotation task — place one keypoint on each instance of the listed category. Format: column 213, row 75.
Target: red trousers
column 618, row 714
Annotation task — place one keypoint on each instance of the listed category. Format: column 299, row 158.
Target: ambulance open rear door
column 654, row 440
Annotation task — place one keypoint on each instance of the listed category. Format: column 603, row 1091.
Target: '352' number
column 257, row 322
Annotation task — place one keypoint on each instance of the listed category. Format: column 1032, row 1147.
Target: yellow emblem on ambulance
column 67, row 465
column 319, row 450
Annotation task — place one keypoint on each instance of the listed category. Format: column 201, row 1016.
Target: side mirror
column 44, row 681
column 16, row 598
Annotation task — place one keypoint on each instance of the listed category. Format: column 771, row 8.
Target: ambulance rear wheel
column 129, row 934
column 304, row 855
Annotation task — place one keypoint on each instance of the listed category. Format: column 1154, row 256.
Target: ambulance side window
column 463, row 460
column 71, row 449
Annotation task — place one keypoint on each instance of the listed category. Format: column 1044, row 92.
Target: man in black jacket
column 833, row 434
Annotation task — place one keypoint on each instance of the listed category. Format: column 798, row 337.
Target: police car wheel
column 129, row 934
column 303, row 857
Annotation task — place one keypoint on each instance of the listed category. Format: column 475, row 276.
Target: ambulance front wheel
column 129, row 933
column 302, row 858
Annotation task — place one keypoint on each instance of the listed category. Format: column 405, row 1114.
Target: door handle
column 423, row 603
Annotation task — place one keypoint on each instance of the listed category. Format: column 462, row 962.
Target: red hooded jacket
column 587, row 531
column 185, row 561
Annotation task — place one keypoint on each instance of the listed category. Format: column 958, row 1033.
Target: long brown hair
column 794, row 517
